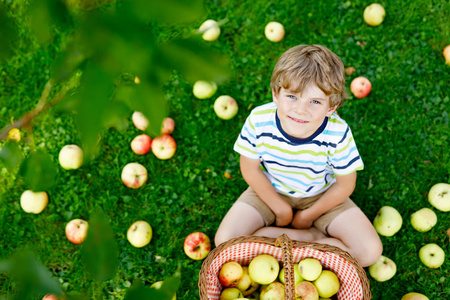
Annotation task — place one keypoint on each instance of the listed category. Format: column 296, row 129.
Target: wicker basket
column 353, row 279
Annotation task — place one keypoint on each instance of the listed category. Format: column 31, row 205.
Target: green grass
column 401, row 130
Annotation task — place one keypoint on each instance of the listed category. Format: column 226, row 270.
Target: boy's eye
column 292, row 97
column 315, row 102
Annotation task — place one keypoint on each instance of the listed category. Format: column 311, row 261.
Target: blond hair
column 310, row 64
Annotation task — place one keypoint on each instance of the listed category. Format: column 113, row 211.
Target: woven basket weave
column 352, row 277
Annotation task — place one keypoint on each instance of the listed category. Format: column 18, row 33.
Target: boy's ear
column 331, row 111
column 274, row 97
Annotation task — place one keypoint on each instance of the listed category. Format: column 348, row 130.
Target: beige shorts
column 321, row 223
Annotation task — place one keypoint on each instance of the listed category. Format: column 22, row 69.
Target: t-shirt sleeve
column 246, row 142
column 346, row 158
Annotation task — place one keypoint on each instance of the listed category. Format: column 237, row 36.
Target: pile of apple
column 263, row 279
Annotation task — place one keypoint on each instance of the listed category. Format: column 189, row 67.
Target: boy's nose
column 300, row 106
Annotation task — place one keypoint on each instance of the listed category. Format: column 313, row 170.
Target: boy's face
column 302, row 114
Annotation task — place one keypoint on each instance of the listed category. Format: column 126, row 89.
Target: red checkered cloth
column 243, row 253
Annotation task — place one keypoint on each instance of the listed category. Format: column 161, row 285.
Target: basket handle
column 285, row 243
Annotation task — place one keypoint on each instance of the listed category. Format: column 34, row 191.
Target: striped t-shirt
column 298, row 167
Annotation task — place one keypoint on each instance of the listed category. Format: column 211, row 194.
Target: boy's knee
column 369, row 253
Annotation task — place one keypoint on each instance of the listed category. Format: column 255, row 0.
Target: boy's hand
column 283, row 213
column 302, row 220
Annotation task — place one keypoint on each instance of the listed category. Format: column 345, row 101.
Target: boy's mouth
column 298, row 120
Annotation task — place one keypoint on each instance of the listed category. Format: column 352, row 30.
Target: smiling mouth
column 298, row 120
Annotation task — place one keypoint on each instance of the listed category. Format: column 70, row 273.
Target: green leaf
column 32, row 277
column 69, row 61
column 195, row 61
column 11, row 155
column 39, row 171
column 8, row 33
column 168, row 11
column 99, row 251
column 166, row 292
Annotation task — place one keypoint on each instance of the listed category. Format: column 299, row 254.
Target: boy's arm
column 335, row 195
column 257, row 180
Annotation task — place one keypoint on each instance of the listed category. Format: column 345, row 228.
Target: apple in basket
column 306, row 290
column 274, row 291
column 310, row 268
column 264, row 269
column 327, row 284
column 246, row 285
column 297, row 277
column 230, row 293
column 230, row 274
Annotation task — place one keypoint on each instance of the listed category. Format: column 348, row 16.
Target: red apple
column 360, row 87
column 141, row 144
column 168, row 126
column 76, row 230
column 139, row 120
column 230, row 274
column 164, row 146
column 134, row 175
column 197, row 245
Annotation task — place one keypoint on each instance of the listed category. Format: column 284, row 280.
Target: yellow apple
column 33, row 202
column 225, row 107
column 230, row 293
column 264, row 269
column 274, row 32
column 383, row 269
column 297, row 277
column 310, row 268
column 432, row 255
column 210, row 30
column 230, row 273
column 374, row 14
column 423, row 219
column 446, row 53
column 139, row 234
column 327, row 284
column 439, row 196
column 387, row 221
column 246, row 285
column 204, row 89
column 157, row 285
column 414, row 296
column 70, row 157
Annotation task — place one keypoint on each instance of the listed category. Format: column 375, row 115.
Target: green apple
column 157, row 285
column 432, row 255
column 274, row 32
column 327, row 284
column 274, row 291
column 439, row 196
column 374, row 14
column 387, row 221
column 230, row 293
column 230, row 274
column 204, row 89
column 423, row 219
column 383, row 269
column 246, row 285
column 70, row 157
column 210, row 30
column 33, row 202
column 306, row 290
column 297, row 277
column 310, row 268
column 264, row 268
column 225, row 107
column 414, row 296
column 139, row 234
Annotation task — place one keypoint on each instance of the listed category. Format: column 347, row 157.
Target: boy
column 300, row 161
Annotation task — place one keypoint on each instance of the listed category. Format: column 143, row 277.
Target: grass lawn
column 401, row 130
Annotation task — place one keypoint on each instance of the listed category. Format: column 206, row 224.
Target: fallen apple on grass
column 134, row 175
column 33, row 202
column 374, row 14
column 157, row 285
column 310, row 268
column 383, row 269
column 264, row 268
column 164, row 147
column 141, row 144
column 360, row 87
column 168, row 126
column 76, row 230
column 204, row 89
column 139, row 234
column 70, row 157
column 210, row 30
column 230, row 274
column 274, row 31
column 225, row 107
column 423, row 219
column 197, row 245
column 388, row 221
column 140, row 121
column 439, row 196
column 414, row 296
column 53, row 297
column 446, row 53
column 432, row 255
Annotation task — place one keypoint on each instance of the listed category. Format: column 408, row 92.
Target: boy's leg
column 353, row 232
column 241, row 219
column 309, row 235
